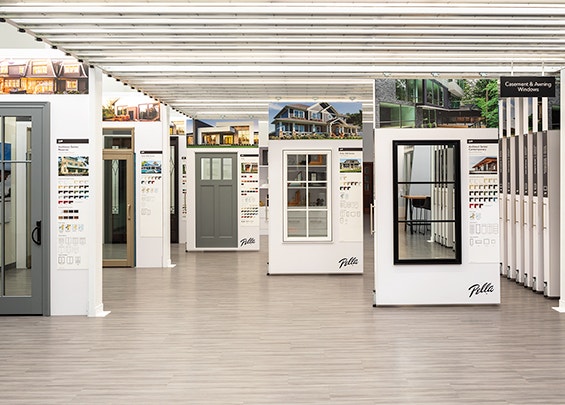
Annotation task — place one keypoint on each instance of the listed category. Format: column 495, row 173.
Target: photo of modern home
column 488, row 164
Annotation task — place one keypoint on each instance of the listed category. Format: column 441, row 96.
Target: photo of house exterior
column 43, row 76
column 350, row 165
column 222, row 132
column 488, row 164
column 73, row 166
column 316, row 121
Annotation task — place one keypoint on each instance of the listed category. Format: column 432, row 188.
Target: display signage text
column 527, row 86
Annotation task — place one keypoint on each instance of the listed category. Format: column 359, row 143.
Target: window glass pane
column 118, row 138
column 317, row 197
column 317, row 173
column 429, row 92
column 296, row 168
column 296, row 224
column 419, row 91
column 426, row 202
column 227, row 163
column 408, row 119
column 401, row 90
column 296, row 196
column 317, row 223
column 15, row 197
column 307, row 195
column 317, row 160
column 390, row 115
column 216, row 168
column 205, row 169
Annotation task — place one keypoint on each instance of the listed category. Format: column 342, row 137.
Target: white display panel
column 73, row 195
column 422, row 284
column 151, row 190
column 483, row 201
column 351, row 194
column 343, row 252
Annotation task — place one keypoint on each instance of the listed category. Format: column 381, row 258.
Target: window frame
column 306, row 208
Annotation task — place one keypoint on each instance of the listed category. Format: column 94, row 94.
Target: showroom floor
column 217, row 330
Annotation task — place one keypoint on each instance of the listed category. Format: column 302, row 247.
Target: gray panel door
column 24, row 213
column 216, row 200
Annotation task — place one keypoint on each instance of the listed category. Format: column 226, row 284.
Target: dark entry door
column 174, row 189
column 216, row 200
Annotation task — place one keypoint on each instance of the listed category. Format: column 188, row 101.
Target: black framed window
column 427, row 202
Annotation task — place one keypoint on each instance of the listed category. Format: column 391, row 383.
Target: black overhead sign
column 527, row 86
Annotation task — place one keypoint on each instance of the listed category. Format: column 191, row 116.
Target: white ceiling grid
column 231, row 58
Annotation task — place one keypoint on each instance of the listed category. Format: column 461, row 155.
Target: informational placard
column 184, row 185
column 151, row 193
column 527, row 86
column 249, row 190
column 483, row 194
column 73, row 194
column 350, row 194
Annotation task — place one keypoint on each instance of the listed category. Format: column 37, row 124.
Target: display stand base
column 560, row 309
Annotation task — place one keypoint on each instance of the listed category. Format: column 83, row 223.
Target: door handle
column 129, row 212
column 36, row 233
column 371, row 218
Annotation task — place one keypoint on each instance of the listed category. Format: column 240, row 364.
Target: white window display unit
column 315, row 207
column 237, row 224
column 470, row 275
column 531, row 170
column 502, row 189
column 550, row 213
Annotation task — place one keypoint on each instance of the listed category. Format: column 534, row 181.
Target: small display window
column 307, row 195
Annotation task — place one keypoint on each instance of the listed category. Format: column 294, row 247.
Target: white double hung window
column 307, row 192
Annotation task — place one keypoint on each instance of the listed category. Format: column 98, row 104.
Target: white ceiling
column 231, row 58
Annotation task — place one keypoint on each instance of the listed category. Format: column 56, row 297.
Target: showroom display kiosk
column 222, row 198
column 316, row 206
column 445, row 249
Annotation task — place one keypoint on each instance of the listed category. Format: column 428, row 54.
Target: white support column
column 166, row 196
column 95, row 273
column 561, row 307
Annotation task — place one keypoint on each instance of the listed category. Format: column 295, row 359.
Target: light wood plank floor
column 217, row 330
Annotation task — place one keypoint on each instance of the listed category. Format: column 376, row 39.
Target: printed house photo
column 484, row 165
column 130, row 109
column 73, row 165
column 150, row 166
column 350, row 165
column 43, row 76
column 319, row 120
column 223, row 132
